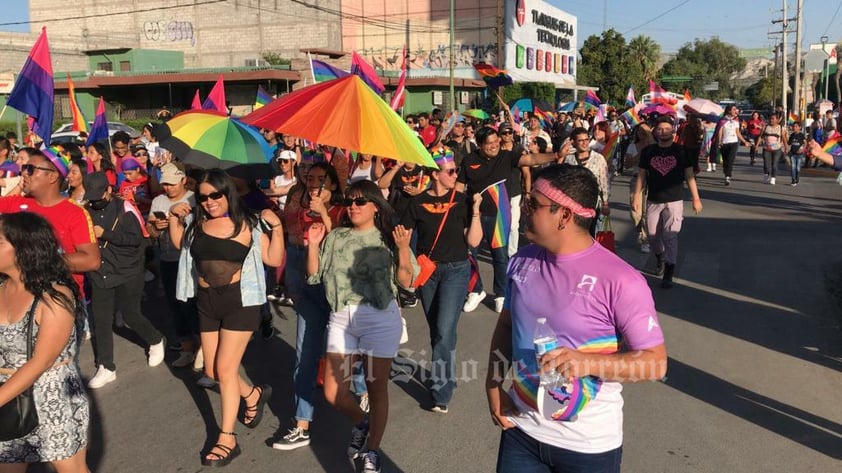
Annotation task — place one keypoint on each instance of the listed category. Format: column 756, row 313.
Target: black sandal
column 253, row 421
column 224, row 458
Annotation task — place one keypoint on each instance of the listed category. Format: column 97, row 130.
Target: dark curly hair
column 383, row 217
column 237, row 210
column 330, row 175
column 38, row 257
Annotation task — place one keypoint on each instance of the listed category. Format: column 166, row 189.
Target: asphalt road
column 754, row 381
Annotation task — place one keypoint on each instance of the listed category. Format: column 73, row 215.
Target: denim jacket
column 252, row 279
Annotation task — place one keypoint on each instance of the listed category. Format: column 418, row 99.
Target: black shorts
column 222, row 308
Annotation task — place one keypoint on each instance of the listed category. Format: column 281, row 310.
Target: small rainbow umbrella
column 210, row 139
column 477, row 113
column 344, row 113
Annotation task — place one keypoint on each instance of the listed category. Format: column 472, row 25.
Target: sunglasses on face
column 29, row 169
column 358, row 201
column 212, row 196
column 451, row 172
column 507, row 133
column 141, row 155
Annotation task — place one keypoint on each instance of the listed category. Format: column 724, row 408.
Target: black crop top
column 217, row 259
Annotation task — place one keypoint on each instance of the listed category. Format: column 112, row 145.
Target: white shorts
column 365, row 330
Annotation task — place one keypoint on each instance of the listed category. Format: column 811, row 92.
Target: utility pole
column 452, row 60
column 774, row 74
column 797, row 97
column 784, row 76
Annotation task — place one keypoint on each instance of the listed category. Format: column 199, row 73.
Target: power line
column 658, row 17
column 98, row 15
column 832, row 19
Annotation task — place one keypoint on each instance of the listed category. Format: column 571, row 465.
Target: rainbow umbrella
column 344, row 113
column 476, row 113
column 210, row 139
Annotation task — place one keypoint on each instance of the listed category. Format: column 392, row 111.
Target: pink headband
column 562, row 199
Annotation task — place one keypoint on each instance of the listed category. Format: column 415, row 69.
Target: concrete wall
column 222, row 34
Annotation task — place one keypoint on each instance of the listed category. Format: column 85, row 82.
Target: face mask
column 98, row 204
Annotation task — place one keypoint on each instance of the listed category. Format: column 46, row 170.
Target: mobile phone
column 159, row 215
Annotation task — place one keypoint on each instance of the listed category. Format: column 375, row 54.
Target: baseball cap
column 95, row 185
column 505, row 126
column 287, row 155
column 171, row 174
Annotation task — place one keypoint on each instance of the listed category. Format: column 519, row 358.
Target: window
column 125, row 66
column 104, row 66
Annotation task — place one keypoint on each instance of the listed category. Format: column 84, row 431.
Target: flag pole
column 312, row 72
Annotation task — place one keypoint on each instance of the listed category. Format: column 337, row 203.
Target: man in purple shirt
column 607, row 329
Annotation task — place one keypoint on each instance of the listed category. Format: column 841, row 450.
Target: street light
column 826, row 65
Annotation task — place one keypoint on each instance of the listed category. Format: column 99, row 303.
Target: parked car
column 65, row 133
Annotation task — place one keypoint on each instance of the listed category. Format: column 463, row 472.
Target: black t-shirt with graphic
column 425, row 213
column 398, row 198
column 796, row 143
column 478, row 172
column 664, row 172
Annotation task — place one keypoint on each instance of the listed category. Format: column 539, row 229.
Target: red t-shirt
column 72, row 224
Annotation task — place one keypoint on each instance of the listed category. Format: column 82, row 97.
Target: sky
column 744, row 23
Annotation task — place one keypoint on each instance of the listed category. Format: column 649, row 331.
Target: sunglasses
column 212, row 196
column 358, row 201
column 141, row 155
column 451, row 172
column 29, row 169
column 507, row 133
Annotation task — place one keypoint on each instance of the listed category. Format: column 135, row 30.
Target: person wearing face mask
column 663, row 170
column 118, row 229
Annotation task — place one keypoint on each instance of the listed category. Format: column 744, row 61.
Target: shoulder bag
column 19, row 417
column 426, row 265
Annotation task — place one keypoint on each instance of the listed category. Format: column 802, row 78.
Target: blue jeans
column 499, row 258
column 520, row 453
column 796, row 159
column 312, row 313
column 442, row 297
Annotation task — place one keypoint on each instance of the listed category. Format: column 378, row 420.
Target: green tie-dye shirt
column 356, row 267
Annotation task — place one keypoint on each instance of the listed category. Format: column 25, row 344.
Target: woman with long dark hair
column 99, row 159
column 75, row 180
column 223, row 250
column 38, row 293
column 361, row 265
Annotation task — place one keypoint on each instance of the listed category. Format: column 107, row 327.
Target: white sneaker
column 714, row 167
column 772, row 181
column 199, row 362
column 709, row 168
column 156, row 353
column 498, row 304
column 644, row 248
column 473, row 301
column 102, row 377
column 184, row 360
column 206, row 382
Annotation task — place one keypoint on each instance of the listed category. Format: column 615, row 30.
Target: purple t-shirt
column 595, row 302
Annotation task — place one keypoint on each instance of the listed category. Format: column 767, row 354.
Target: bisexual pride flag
column 34, row 89
column 99, row 130
column 216, row 98
column 593, row 99
column 503, row 224
column 366, row 73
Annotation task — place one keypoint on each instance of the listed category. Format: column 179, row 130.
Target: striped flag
column 492, row 76
column 131, row 208
column 611, row 146
column 400, row 93
column 592, row 98
column 197, row 101
column 99, row 131
column 34, row 89
column 632, row 117
column 630, row 101
column 263, row 97
column 659, row 95
column 323, row 71
column 792, row 119
column 832, row 145
column 503, row 223
column 79, row 122
column 216, row 98
column 366, row 73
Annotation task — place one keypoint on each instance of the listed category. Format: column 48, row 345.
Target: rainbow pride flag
column 832, row 145
column 263, row 97
column 79, row 122
column 632, row 117
column 611, row 146
column 323, row 71
column 492, row 76
column 500, row 197
column 792, row 118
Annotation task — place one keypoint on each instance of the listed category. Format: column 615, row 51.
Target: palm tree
column 647, row 51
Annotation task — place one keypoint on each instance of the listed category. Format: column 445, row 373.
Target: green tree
column 537, row 90
column 761, row 93
column 612, row 65
column 706, row 61
column 274, row 58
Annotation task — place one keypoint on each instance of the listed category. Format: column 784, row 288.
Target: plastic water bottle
column 545, row 341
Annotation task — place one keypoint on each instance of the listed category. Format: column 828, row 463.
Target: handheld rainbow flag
column 632, row 117
column 832, row 145
column 400, row 93
column 492, row 76
column 592, row 98
column 366, row 73
column 792, row 118
column 630, row 101
column 503, row 224
column 216, row 98
column 34, row 88
column 263, row 97
column 611, row 145
column 323, row 71
column 99, row 130
column 197, row 101
column 79, row 122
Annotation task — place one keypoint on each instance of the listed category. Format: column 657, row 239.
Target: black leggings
column 729, row 154
column 222, row 308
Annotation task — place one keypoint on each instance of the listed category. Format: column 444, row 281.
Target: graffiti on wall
column 169, row 31
column 421, row 57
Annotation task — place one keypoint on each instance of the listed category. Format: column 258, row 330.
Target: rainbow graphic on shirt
column 569, row 399
column 503, row 224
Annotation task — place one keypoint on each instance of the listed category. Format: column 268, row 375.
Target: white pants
column 514, row 232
